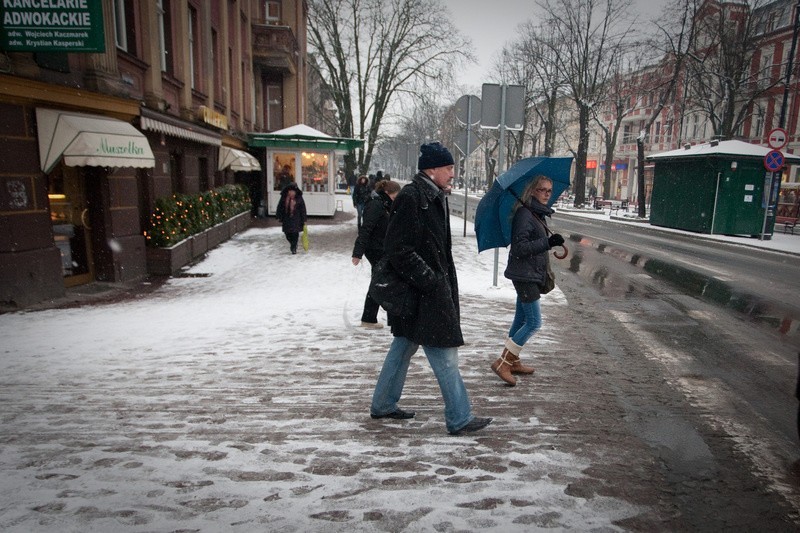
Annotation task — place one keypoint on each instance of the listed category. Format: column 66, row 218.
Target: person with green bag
column 291, row 212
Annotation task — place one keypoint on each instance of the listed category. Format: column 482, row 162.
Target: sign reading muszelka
column 130, row 148
column 52, row 26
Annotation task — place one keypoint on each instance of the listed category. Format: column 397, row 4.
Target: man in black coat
column 418, row 246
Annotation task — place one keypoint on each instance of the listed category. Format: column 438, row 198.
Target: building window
column 274, row 114
column 194, row 49
column 124, row 28
column 272, row 12
column 627, row 134
column 216, row 61
column 164, row 34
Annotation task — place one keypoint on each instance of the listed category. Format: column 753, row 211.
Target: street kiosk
column 716, row 187
column 307, row 157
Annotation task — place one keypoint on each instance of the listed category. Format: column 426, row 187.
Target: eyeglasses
column 548, row 191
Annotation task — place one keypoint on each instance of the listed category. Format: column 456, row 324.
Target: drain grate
column 192, row 275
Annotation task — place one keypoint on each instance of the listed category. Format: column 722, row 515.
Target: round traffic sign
column 468, row 110
column 773, row 161
column 777, row 138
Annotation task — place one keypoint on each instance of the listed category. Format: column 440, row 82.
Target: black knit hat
column 434, row 155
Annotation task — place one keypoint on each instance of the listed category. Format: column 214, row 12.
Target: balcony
column 275, row 48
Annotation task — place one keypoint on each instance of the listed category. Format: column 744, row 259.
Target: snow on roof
column 300, row 129
column 732, row 147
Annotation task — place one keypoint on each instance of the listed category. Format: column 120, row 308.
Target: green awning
column 302, row 137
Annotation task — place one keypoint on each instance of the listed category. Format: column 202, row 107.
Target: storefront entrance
column 69, row 216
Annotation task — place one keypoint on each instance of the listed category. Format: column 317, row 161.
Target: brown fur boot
column 518, row 368
column 502, row 367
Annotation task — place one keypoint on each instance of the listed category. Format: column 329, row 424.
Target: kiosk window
column 315, row 172
column 283, row 170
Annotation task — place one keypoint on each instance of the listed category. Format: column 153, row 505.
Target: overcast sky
column 490, row 24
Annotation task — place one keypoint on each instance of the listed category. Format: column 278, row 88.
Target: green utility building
column 716, row 187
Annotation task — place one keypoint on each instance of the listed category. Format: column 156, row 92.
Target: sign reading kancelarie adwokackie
column 52, row 26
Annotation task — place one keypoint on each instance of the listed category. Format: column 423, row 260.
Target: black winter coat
column 295, row 222
column 361, row 193
column 418, row 245
column 373, row 226
column 527, row 258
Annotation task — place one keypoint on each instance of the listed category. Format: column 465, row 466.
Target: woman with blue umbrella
column 527, row 268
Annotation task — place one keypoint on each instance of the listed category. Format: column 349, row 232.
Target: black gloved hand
column 555, row 240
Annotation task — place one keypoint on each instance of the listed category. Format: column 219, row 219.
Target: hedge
column 182, row 215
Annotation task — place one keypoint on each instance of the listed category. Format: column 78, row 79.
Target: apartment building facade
column 90, row 140
column 685, row 121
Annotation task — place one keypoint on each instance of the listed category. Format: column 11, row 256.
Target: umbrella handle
column 562, row 256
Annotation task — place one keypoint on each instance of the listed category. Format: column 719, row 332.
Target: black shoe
column 398, row 414
column 474, row 425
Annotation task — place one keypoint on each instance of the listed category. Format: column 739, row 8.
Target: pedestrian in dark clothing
column 291, row 212
column 418, row 246
column 361, row 194
column 527, row 269
column 370, row 240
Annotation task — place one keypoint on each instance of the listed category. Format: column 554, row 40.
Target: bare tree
column 538, row 50
column 662, row 80
column 728, row 72
column 371, row 51
column 621, row 90
column 595, row 31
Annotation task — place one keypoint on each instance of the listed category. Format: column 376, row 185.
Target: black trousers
column 370, row 313
column 292, row 237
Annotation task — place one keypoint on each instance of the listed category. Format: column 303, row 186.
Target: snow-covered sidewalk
column 237, row 399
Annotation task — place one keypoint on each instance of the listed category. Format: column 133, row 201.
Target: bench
column 601, row 204
column 788, row 223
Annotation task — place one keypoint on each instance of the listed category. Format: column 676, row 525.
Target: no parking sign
column 773, row 161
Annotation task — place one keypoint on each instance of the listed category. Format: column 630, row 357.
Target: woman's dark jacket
column 527, row 258
column 361, row 193
column 373, row 226
column 418, row 245
column 295, row 222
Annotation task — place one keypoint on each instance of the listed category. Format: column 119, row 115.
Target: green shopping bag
column 305, row 237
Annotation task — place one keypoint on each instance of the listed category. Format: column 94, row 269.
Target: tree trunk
column 579, row 188
column 607, row 171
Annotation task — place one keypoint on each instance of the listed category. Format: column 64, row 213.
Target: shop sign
column 52, row 26
column 619, row 165
column 214, row 118
column 591, row 163
column 128, row 148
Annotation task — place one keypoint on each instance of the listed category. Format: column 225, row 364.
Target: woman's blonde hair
column 527, row 193
column 389, row 187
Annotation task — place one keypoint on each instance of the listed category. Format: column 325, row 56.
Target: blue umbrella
column 495, row 210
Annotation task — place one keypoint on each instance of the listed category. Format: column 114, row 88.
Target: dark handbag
column 549, row 280
column 391, row 291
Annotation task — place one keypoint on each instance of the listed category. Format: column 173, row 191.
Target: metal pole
column 782, row 121
column 466, row 161
column 500, row 161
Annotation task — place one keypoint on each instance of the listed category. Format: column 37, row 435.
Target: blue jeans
column 360, row 211
column 527, row 321
column 443, row 361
